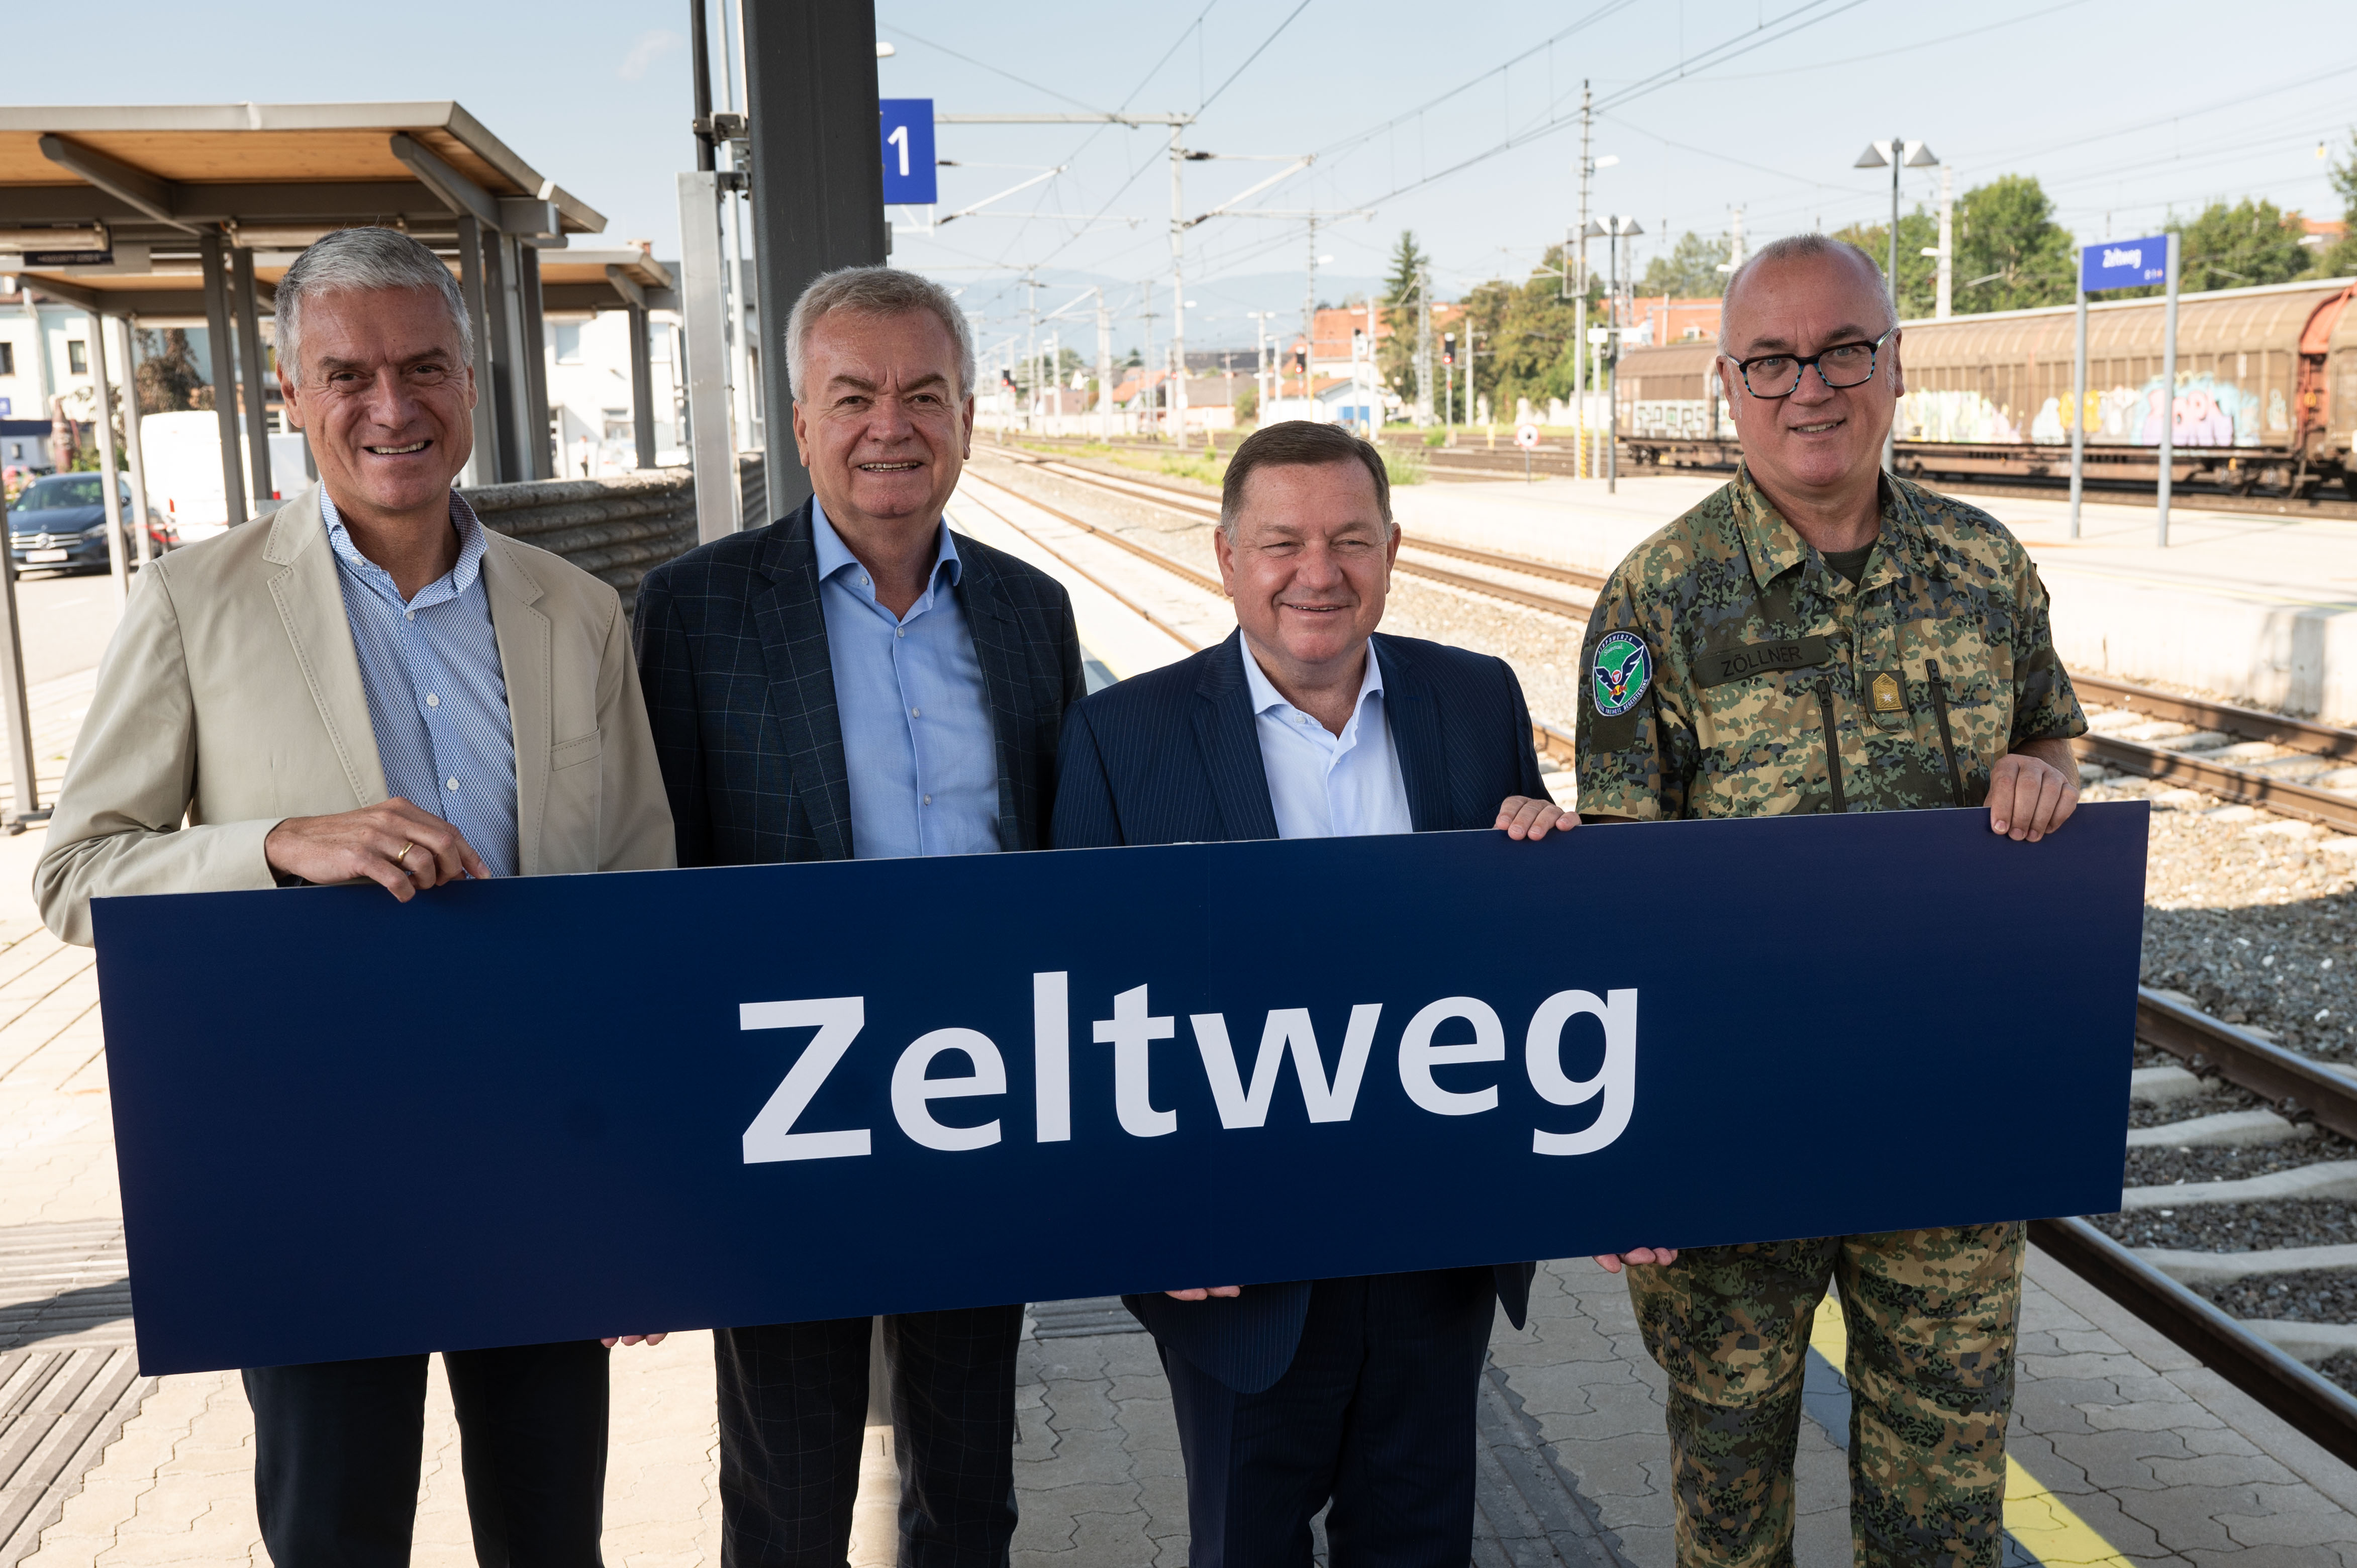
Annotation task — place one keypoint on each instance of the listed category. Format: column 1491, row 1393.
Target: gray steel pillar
column 483, row 465
column 703, row 316
column 502, row 344
column 2078, row 411
column 249, row 354
column 19, row 712
column 643, row 387
column 818, row 178
column 219, row 349
column 535, row 362
column 117, row 567
column 131, row 417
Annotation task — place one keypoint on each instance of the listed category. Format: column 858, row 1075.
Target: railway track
column 2296, row 1089
column 1558, row 462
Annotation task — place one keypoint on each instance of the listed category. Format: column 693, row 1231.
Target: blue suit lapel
column 997, row 641
column 1414, row 719
column 802, row 681
column 1230, row 746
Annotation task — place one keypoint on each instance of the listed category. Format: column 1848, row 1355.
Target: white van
column 182, row 455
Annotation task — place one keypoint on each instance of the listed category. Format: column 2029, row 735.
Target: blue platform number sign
column 909, row 179
column 2123, row 263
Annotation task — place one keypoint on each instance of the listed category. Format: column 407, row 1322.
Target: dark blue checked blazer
column 1172, row 757
column 733, row 657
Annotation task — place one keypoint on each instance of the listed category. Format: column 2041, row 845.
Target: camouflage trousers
column 1930, row 1317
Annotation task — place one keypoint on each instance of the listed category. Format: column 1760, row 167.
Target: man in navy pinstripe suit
column 855, row 681
column 1305, row 725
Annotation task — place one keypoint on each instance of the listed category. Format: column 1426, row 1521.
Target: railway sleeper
column 2223, row 1129
column 2329, row 1178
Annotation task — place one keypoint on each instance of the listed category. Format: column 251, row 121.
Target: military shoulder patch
column 1620, row 674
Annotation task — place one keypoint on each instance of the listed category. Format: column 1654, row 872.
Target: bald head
column 1786, row 260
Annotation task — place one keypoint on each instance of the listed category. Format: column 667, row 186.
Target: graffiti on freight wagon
column 2204, row 411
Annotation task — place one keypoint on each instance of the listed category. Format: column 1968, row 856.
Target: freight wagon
column 2265, row 396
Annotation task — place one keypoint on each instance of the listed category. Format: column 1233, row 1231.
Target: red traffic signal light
column 1449, row 348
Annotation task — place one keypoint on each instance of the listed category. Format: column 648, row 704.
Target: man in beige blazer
column 369, row 684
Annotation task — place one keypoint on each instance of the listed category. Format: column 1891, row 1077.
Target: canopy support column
column 483, row 465
column 220, row 350
column 256, row 378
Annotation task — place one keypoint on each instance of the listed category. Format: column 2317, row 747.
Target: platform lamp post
column 1898, row 155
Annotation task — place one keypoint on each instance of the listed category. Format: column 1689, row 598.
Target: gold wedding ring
column 401, row 858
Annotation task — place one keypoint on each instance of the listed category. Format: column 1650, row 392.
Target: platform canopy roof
column 146, row 181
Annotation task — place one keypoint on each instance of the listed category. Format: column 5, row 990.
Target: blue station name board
column 2123, row 263
column 549, row 1108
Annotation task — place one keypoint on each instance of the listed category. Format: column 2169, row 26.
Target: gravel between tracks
column 2311, row 1295
column 2235, row 1227
column 2166, row 1167
column 2251, row 916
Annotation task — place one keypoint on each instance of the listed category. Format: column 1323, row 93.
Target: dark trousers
column 337, row 1446
column 1376, row 1415
column 793, row 1414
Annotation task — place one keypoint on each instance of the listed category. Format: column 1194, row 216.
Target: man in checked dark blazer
column 1305, row 725
column 856, row 682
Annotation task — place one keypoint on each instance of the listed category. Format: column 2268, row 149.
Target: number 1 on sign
column 900, row 138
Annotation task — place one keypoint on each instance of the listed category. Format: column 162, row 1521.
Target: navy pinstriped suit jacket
column 733, row 655
column 1172, row 757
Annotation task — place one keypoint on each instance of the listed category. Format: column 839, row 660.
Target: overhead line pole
column 1579, row 309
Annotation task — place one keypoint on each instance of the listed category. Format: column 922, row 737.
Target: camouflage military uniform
column 1721, row 656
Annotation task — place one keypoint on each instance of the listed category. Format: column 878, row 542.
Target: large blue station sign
column 2123, row 263
column 779, row 1093
column 910, row 179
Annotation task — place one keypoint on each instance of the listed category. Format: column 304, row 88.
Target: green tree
column 2341, row 260
column 1918, row 274
column 2010, row 254
column 2242, row 246
column 1691, row 270
column 1524, row 335
column 1395, row 360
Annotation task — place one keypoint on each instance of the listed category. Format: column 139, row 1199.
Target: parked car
column 60, row 523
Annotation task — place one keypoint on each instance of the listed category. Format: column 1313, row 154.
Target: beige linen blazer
column 231, row 700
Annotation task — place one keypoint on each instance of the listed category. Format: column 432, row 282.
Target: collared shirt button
column 928, row 800
column 410, row 613
column 432, row 700
column 899, row 631
column 452, row 781
column 915, row 712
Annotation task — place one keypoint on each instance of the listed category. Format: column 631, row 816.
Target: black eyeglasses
column 1842, row 365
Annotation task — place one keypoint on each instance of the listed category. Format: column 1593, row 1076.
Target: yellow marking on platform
column 2041, row 1522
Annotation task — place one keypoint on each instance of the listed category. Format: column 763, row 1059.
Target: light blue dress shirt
column 918, row 741
column 1324, row 784
column 438, row 699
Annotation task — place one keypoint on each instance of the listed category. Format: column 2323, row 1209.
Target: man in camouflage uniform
column 1818, row 637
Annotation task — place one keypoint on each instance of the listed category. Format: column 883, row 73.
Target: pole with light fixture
column 1900, row 155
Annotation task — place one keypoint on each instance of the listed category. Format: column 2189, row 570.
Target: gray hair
column 1796, row 248
column 363, row 259
column 874, row 291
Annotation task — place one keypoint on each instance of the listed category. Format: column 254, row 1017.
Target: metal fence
column 617, row 529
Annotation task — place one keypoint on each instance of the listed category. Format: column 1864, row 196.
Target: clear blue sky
column 2123, row 112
